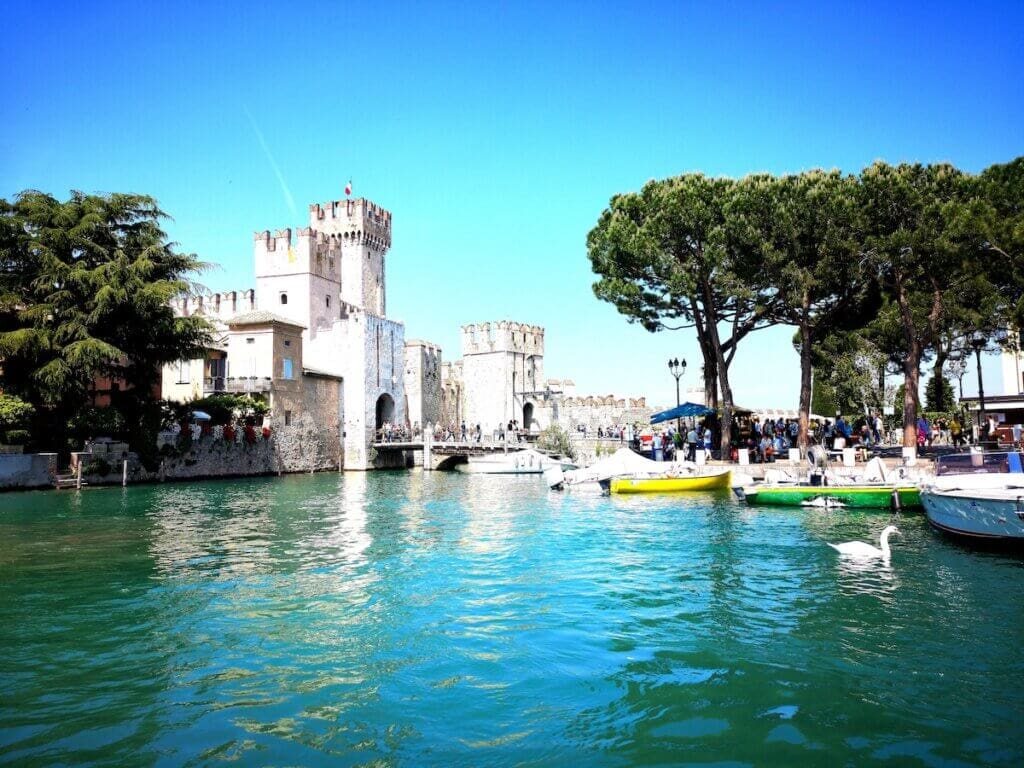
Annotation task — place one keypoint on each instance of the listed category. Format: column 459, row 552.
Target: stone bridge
column 438, row 454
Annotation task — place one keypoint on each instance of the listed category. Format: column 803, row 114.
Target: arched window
column 284, row 298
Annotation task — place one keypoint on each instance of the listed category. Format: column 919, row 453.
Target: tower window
column 287, row 342
column 284, row 298
column 328, row 301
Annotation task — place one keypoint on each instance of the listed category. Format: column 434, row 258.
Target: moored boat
column 875, row 488
column 856, row 495
column 702, row 481
column 528, row 462
column 982, row 500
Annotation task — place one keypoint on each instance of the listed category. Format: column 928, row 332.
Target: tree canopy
column 85, row 292
column 909, row 258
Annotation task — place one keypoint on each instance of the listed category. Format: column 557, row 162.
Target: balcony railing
column 237, row 384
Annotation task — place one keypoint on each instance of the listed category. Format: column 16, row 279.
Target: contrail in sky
column 270, row 158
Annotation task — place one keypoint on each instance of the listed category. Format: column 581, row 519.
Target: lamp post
column 978, row 342
column 677, row 368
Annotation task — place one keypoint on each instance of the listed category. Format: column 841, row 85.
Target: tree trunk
column 940, row 390
column 723, row 373
column 911, row 380
column 711, row 383
column 805, row 382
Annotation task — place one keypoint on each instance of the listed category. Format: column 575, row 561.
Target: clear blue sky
column 495, row 133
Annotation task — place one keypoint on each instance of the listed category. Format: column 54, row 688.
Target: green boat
column 868, row 496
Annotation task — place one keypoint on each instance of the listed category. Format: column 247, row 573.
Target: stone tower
column 422, row 382
column 361, row 231
column 504, row 364
column 329, row 279
column 298, row 278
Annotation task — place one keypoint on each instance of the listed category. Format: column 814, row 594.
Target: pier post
column 78, row 475
column 124, row 473
column 428, row 435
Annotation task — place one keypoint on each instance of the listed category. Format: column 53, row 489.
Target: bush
column 224, row 409
column 15, row 415
column 96, row 467
column 14, row 437
column 95, row 422
column 556, row 440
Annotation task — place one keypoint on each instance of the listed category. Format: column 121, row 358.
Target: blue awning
column 681, row 411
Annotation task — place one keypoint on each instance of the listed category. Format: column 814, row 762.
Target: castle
column 500, row 379
column 314, row 341
column 312, row 338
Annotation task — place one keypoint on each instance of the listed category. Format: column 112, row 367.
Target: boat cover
column 622, row 462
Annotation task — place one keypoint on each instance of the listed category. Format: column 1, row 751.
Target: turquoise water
column 445, row 619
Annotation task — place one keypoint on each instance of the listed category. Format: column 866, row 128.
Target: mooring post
column 428, row 462
column 124, row 473
column 78, row 475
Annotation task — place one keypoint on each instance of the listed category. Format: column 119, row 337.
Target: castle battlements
column 502, row 336
column 220, row 306
column 355, row 222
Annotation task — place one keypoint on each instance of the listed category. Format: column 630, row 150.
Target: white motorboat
column 623, row 462
column 528, row 462
column 984, row 500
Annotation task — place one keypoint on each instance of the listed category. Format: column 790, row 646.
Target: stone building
column 500, row 378
column 422, row 383
column 312, row 337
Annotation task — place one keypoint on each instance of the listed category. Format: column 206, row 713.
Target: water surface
column 448, row 619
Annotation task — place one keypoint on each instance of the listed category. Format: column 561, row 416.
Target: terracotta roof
column 262, row 317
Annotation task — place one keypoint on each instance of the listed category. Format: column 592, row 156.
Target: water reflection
column 440, row 618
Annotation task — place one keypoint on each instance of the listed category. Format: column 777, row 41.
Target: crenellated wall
column 215, row 306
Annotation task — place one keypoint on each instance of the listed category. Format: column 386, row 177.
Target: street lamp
column 978, row 341
column 677, row 368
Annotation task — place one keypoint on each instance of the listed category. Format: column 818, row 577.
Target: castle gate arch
column 527, row 416
column 385, row 410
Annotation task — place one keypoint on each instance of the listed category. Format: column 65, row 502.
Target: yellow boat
column 705, row 482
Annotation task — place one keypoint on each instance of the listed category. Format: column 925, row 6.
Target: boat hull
column 974, row 514
column 670, row 484
column 859, row 497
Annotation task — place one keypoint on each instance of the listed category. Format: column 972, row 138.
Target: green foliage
column 14, row 412
column 911, row 257
column 15, row 417
column 931, row 394
column 85, row 290
column 93, row 422
column 556, row 440
column 97, row 466
column 227, row 408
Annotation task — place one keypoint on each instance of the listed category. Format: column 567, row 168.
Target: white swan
column 860, row 549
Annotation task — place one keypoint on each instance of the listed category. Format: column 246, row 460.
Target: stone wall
column 27, row 470
column 422, row 382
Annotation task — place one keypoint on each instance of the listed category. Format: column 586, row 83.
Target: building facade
column 312, row 337
column 500, row 379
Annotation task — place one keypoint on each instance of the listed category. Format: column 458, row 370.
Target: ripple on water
column 429, row 618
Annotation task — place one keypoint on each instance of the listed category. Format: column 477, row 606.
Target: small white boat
column 978, row 495
column 528, row 462
column 621, row 463
column 982, row 506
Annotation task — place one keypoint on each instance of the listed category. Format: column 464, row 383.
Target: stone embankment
column 296, row 448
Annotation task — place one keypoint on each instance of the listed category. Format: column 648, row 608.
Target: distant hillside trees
column 85, row 290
